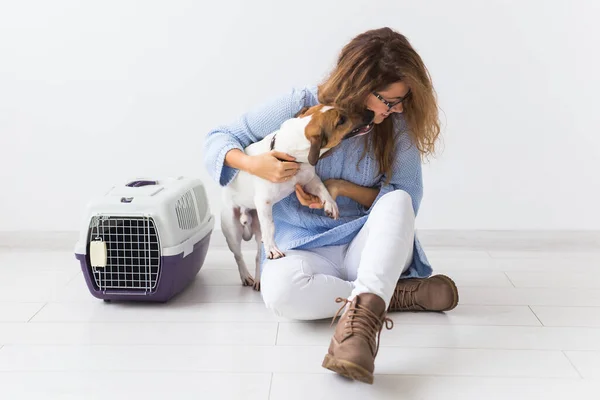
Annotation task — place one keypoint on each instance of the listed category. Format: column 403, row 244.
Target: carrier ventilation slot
column 186, row 212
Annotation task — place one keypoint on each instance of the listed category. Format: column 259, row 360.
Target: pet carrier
column 145, row 240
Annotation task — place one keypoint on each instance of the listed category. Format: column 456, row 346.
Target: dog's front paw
column 256, row 285
column 274, row 253
column 331, row 209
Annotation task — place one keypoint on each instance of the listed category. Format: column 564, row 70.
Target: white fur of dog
column 248, row 199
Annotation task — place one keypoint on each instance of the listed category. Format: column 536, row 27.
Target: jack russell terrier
column 248, row 199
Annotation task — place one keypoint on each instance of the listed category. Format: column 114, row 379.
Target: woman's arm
column 223, row 146
column 338, row 187
column 365, row 196
column 236, row 158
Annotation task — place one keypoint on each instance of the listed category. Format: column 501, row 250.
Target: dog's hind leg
column 232, row 230
column 258, row 237
column 246, row 218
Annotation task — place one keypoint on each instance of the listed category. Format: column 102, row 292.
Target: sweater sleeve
column 251, row 127
column 406, row 172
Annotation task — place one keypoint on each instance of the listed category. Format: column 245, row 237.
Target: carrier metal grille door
column 132, row 253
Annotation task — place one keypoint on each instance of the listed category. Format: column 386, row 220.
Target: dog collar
column 272, row 147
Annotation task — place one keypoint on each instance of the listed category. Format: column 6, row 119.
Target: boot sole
column 454, row 290
column 347, row 369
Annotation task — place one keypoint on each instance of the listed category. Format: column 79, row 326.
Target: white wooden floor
column 527, row 327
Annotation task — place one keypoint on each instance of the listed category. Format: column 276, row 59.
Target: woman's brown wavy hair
column 370, row 62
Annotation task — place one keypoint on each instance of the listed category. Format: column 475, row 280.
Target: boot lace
column 363, row 323
column 405, row 297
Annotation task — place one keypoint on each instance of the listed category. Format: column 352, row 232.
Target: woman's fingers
column 307, row 199
column 302, row 196
column 285, row 170
column 282, row 156
column 300, row 190
column 290, row 166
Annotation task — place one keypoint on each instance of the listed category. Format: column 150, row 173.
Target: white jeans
column 304, row 284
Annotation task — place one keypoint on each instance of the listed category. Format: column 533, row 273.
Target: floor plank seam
column 267, row 322
column 510, row 280
column 270, row 386
column 460, row 376
column 392, row 346
column 573, row 365
column 289, row 346
column 233, row 322
column 538, row 318
column 75, row 276
column 323, row 373
column 37, row 312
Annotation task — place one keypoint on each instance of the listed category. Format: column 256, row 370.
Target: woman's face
column 393, row 95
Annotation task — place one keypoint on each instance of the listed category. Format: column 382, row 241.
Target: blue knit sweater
column 297, row 226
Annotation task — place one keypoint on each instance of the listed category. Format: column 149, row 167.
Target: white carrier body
column 178, row 206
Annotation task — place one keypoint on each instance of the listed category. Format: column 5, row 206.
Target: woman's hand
column 273, row 166
column 312, row 201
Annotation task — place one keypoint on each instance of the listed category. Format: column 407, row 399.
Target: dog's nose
column 368, row 116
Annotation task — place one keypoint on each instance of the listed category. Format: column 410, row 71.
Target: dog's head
column 328, row 126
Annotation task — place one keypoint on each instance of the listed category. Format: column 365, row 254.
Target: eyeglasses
column 387, row 103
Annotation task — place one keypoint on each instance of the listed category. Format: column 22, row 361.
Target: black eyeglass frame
column 387, row 103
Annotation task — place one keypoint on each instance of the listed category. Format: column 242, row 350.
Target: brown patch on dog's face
column 328, row 127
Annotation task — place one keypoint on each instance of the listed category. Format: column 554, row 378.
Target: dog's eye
column 341, row 121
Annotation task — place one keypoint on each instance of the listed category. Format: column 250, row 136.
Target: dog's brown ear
column 315, row 149
column 301, row 112
column 316, row 137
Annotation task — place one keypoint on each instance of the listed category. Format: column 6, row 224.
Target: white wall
column 92, row 93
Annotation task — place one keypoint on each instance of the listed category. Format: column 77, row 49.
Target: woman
column 369, row 259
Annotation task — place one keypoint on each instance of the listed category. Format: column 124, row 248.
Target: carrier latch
column 98, row 253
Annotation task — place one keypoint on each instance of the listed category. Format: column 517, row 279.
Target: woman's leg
column 304, row 284
column 377, row 256
column 383, row 249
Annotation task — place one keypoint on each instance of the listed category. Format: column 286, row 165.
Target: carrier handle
column 141, row 183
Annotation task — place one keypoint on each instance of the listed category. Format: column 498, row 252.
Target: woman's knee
column 397, row 202
column 281, row 282
column 396, row 197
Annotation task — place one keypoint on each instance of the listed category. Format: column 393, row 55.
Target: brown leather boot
column 353, row 346
column 436, row 293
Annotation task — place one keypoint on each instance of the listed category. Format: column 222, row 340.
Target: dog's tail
column 246, row 221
